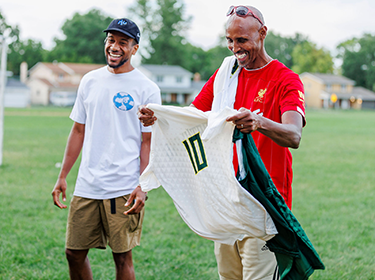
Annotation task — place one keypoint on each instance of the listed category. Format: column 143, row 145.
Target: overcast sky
column 325, row 22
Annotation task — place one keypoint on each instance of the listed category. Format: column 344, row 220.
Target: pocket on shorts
column 135, row 220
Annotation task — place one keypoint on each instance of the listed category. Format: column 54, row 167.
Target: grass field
column 334, row 198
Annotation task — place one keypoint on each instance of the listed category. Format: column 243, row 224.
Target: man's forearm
column 72, row 150
column 145, row 151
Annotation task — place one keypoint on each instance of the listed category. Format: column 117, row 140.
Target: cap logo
column 122, row 22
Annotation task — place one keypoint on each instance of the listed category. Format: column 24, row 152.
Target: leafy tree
column 308, row 58
column 12, row 34
column 163, row 26
column 142, row 14
column 281, row 48
column 29, row 51
column 207, row 62
column 84, row 39
column 358, row 60
column 3, row 25
column 195, row 58
column 214, row 58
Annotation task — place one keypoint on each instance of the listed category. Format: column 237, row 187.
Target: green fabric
column 296, row 256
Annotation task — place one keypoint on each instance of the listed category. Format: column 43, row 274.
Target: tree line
column 164, row 26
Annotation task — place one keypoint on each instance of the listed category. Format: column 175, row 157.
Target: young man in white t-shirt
column 107, row 204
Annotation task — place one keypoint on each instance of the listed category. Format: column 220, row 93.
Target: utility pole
column 4, row 49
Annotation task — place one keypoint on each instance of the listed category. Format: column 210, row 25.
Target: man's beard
column 122, row 62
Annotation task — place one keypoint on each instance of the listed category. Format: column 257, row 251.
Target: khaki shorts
column 248, row 259
column 95, row 223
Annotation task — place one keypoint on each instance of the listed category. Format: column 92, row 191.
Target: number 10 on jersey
column 196, row 152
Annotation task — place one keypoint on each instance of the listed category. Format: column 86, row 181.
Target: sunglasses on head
column 242, row 11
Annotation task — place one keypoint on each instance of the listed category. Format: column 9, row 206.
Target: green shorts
column 94, row 223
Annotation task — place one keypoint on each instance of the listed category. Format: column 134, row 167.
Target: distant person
column 107, row 206
column 270, row 100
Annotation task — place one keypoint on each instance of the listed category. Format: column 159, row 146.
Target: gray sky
column 325, row 22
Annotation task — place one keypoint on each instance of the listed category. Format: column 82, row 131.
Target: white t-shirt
column 191, row 157
column 107, row 104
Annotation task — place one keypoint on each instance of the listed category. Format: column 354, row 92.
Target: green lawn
column 334, row 198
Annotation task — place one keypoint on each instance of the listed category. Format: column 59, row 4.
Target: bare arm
column 146, row 116
column 72, row 151
column 145, row 151
column 286, row 134
column 138, row 195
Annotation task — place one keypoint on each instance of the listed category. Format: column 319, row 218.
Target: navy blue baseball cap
column 125, row 26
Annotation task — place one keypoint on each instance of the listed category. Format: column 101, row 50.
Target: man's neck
column 260, row 62
column 123, row 69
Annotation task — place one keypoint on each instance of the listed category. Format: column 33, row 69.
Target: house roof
column 59, row 85
column 67, row 67
column 363, row 93
column 81, row 68
column 66, row 85
column 357, row 92
column 329, row 79
column 12, row 82
column 166, row 69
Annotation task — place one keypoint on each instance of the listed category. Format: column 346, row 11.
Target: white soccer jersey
column 191, row 157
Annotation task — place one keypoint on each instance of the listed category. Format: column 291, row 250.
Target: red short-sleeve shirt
column 273, row 89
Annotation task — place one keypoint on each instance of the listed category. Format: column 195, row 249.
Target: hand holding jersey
column 146, row 115
column 286, row 134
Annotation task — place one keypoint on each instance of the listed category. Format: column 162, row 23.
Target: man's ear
column 135, row 49
column 263, row 32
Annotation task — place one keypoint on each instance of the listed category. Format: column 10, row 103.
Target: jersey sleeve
column 293, row 96
column 78, row 113
column 204, row 99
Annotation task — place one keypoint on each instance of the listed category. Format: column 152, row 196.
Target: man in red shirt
column 270, row 100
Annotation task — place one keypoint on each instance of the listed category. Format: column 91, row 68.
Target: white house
column 175, row 83
column 56, row 83
column 17, row 94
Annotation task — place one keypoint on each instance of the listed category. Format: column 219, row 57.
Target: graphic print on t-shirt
column 260, row 96
column 123, row 101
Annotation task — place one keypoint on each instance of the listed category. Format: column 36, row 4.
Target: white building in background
column 17, row 94
column 334, row 91
column 57, row 83
column 177, row 85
